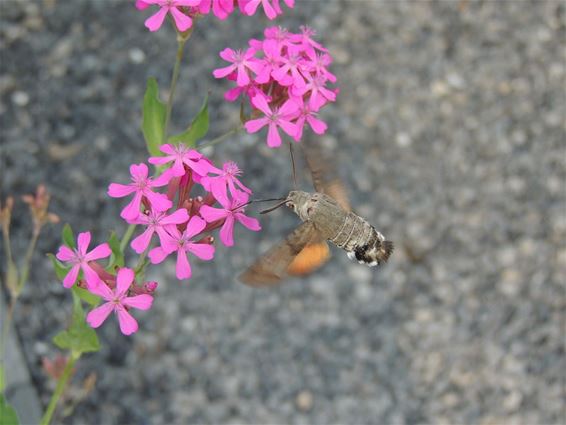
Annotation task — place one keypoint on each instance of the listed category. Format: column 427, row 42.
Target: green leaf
column 68, row 236
column 117, row 257
column 197, row 130
column 60, row 270
column 8, row 415
column 79, row 338
column 153, row 117
column 86, row 296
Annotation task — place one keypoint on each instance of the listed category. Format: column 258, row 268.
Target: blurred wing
column 312, row 257
column 324, row 174
column 271, row 267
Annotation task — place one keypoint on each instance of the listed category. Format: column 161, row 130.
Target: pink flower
column 270, row 62
column 270, row 7
column 288, row 72
column 181, row 155
column 141, row 186
column 241, row 62
column 182, row 243
column 306, row 114
column 305, row 38
column 119, row 303
column 231, row 211
column 226, row 179
column 154, row 22
column 221, row 8
column 279, row 117
column 79, row 258
column 319, row 94
column 155, row 220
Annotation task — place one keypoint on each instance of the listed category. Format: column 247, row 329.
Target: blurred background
column 449, row 132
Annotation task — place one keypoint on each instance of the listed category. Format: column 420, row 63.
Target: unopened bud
column 150, row 287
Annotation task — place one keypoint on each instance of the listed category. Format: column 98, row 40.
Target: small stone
column 304, row 400
column 20, row 98
column 403, row 140
column 136, row 55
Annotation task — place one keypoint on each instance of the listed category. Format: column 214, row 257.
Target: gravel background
column 449, row 130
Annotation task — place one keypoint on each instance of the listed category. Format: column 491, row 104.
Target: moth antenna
column 293, row 165
column 274, row 207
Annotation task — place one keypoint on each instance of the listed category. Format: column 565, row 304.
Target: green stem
column 127, row 236
column 61, row 385
column 180, row 48
column 3, row 339
column 221, row 138
column 27, row 259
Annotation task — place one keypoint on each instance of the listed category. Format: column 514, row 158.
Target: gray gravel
column 449, row 130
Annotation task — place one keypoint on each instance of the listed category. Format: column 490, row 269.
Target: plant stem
column 27, row 259
column 180, row 48
column 61, row 385
column 3, row 340
column 221, row 138
column 127, row 236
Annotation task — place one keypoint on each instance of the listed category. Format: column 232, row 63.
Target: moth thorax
column 298, row 201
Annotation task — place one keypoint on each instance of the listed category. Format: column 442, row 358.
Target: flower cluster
column 285, row 77
column 184, row 11
column 182, row 220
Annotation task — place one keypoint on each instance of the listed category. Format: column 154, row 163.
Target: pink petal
column 97, row 316
column 223, row 72
column 158, row 201
column 273, row 137
column 299, row 125
column 92, row 278
column 183, row 267
column 249, row 222
column 269, row 11
column 227, row 54
column 116, row 190
column 159, row 160
column 128, row 324
column 141, row 302
column 124, row 280
column 288, row 127
column 259, row 102
column 178, row 217
column 157, row 255
column 102, row 290
column 186, row 3
column 195, row 226
column 182, row 21
column 211, row 214
column 153, row 23
column 141, row 243
column 288, row 108
column 203, row 251
column 83, row 241
column 253, row 126
column 243, row 79
column 101, row 251
column 65, row 253
column 132, row 210
column 163, row 179
column 318, row 126
column 251, row 7
column 141, row 5
column 227, row 231
column 71, row 277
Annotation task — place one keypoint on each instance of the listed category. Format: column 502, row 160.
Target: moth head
column 297, row 201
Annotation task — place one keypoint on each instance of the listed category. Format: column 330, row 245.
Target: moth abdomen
column 372, row 255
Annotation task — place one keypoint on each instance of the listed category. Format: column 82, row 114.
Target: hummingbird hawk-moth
column 326, row 216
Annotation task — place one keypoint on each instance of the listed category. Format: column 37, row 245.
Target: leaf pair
column 155, row 117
